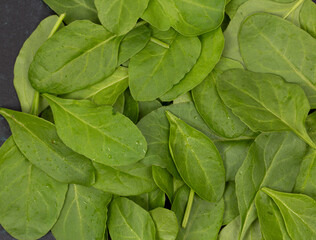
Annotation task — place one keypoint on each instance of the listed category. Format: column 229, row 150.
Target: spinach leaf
column 197, row 160
column 37, row 139
column 30, row 200
column 131, row 109
column 267, row 155
column 298, row 211
column 150, row 200
column 169, row 60
column 231, row 204
column 84, row 214
column 105, row 92
column 270, row 218
column 194, row 17
column 156, row 16
column 21, row 68
column 128, row 180
column 166, row 223
column 119, row 104
column 205, row 219
column 265, row 102
column 212, row 108
column 212, row 45
column 120, row 16
column 134, row 42
column 77, row 56
column 307, row 17
column 127, row 220
column 287, row 52
column 163, row 180
column 74, row 9
column 112, row 138
column 147, row 107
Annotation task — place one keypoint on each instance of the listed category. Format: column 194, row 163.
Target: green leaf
column 84, row 214
column 131, row 109
column 119, row 104
column 30, row 200
column 133, row 42
column 197, row 159
column 97, row 132
column 166, row 223
column 194, row 17
column 211, row 50
column 307, row 17
column 120, row 16
column 298, row 211
column 288, row 52
column 156, row 62
column 155, row 128
column 156, row 16
column 125, row 180
column 286, row 10
column 21, row 81
column 150, row 200
column 147, row 107
column 231, row 204
column 273, row 161
column 127, row 220
column 77, row 56
column 163, row 180
column 105, row 92
column 212, row 108
column 265, row 102
column 74, row 9
column 205, row 218
column 37, row 139
column 270, row 218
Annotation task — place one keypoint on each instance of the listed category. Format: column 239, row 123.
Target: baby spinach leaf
column 97, row 131
column 155, row 128
column 119, row 104
column 163, row 180
column 30, row 200
column 21, row 68
column 267, row 155
column 120, row 16
column 270, row 218
column 131, row 109
column 150, row 200
column 74, row 9
column 194, row 17
column 233, row 154
column 288, row 52
column 147, row 107
column 166, row 223
column 105, row 92
column 84, row 214
column 197, row 159
column 170, row 61
column 265, row 102
column 298, row 211
column 282, row 9
column 231, row 204
column 77, row 56
column 37, row 139
column 186, row 97
column 156, row 16
column 133, row 42
column 127, row 220
column 307, row 17
column 205, row 218
column 212, row 108
column 212, row 45
column 125, row 180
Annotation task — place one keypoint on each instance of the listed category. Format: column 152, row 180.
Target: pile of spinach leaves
column 164, row 120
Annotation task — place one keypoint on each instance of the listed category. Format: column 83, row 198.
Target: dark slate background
column 18, row 19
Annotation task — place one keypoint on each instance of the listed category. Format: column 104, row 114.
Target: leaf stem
column 57, row 24
column 160, row 43
column 188, row 209
column 35, row 104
